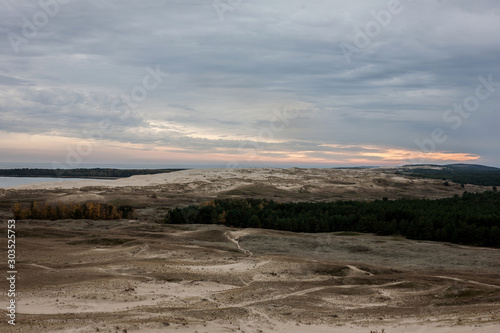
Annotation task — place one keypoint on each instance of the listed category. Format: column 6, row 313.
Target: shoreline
column 80, row 177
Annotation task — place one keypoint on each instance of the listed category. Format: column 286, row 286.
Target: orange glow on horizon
column 55, row 148
column 398, row 154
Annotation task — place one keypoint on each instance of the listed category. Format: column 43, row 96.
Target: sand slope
column 145, row 276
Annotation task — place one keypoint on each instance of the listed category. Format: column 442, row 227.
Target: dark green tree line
column 81, row 173
column 473, row 218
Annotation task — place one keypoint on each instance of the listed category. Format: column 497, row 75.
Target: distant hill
column 459, row 173
column 473, row 167
column 462, row 166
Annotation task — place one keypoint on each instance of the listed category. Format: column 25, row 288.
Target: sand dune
column 295, row 183
column 211, row 278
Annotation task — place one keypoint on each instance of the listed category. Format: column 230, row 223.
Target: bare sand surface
column 286, row 184
column 195, row 279
column 298, row 328
column 145, row 276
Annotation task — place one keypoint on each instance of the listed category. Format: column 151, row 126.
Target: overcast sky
column 250, row 82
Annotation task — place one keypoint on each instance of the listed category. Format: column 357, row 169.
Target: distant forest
column 472, row 219
column 88, row 210
column 461, row 174
column 81, row 173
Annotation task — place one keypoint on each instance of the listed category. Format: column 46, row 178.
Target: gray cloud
column 226, row 78
column 12, row 81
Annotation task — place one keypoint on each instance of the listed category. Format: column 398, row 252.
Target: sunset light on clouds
column 282, row 83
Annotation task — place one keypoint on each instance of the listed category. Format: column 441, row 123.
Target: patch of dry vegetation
column 88, row 210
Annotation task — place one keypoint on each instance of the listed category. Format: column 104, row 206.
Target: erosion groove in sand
column 213, row 278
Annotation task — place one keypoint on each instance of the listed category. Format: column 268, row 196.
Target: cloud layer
column 251, row 82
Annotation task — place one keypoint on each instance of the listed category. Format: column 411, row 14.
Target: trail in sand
column 235, row 241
